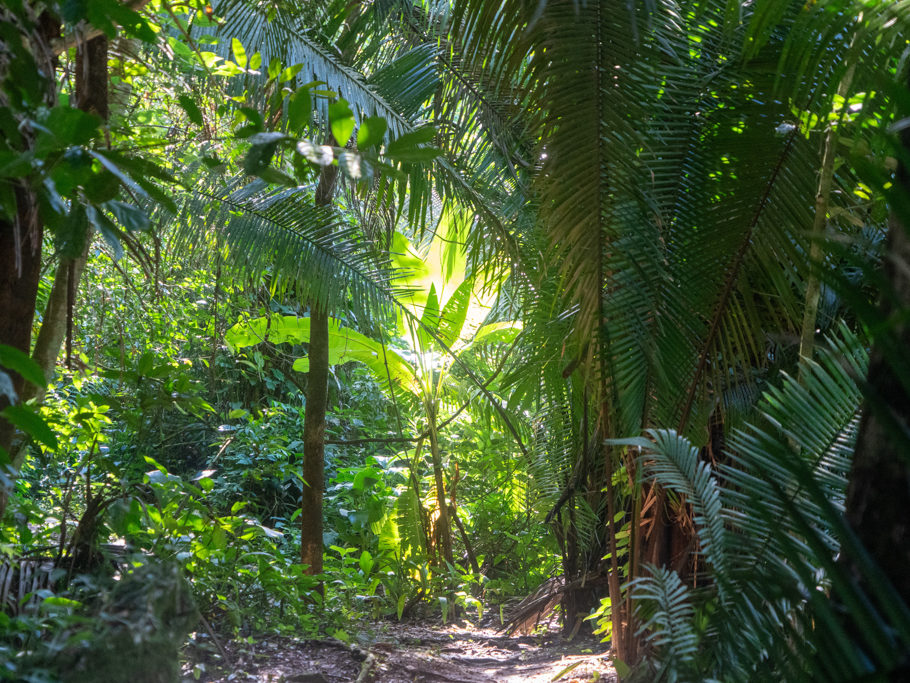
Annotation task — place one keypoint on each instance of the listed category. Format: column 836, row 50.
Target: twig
column 211, row 632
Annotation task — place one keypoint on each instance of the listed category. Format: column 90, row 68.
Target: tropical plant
column 675, row 181
column 769, row 520
column 678, row 199
column 439, row 333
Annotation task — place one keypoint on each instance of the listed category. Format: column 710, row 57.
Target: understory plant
column 769, row 522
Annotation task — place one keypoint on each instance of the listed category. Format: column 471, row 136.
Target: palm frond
column 283, row 236
column 781, row 505
column 674, row 462
column 668, row 622
column 398, row 85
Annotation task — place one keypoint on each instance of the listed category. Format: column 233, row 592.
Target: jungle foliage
column 579, row 298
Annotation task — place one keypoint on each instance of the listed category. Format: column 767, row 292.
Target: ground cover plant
column 318, row 319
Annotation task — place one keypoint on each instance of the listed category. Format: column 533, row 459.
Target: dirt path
column 407, row 653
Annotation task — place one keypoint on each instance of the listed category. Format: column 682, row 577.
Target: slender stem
column 816, row 236
column 444, row 537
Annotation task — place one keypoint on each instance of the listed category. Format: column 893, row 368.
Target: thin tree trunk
column 816, row 246
column 53, row 324
column 20, row 272
column 314, row 413
column 468, row 548
column 92, row 78
column 443, row 524
column 620, row 631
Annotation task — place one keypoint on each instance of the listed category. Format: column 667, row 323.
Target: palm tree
column 329, row 266
column 675, row 179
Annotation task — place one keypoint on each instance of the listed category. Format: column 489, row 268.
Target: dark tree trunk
column 879, row 487
column 91, row 95
column 314, row 414
column 91, row 77
column 20, row 245
column 442, row 526
column 20, row 271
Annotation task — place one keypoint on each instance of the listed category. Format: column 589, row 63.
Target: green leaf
column 144, row 173
column 353, row 165
column 365, row 479
column 219, row 537
column 372, row 132
column 366, row 562
column 131, row 217
column 274, row 68
column 261, row 151
column 19, row 361
column 300, row 106
column 289, row 73
column 254, row 117
column 454, row 313
column 276, row 177
column 415, row 154
column 342, row 121
column 68, row 126
column 101, row 187
column 188, row 104
column 146, row 363
column 26, row 419
column 113, row 168
column 104, row 14
column 345, row 345
column 429, row 321
column 322, row 155
column 239, row 53
column 58, row 601
column 112, row 235
column 410, row 146
column 498, row 332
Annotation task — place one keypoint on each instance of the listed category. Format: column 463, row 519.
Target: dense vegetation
column 314, row 314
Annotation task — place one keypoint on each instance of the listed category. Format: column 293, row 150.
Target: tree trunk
column 20, row 249
column 314, row 413
column 314, row 443
column 20, row 271
column 443, row 526
column 91, row 95
column 54, row 322
column 879, row 485
column 91, row 77
column 816, row 246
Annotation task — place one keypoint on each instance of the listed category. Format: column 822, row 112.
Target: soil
column 400, row 653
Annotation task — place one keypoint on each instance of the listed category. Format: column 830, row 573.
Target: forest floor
column 399, row 653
